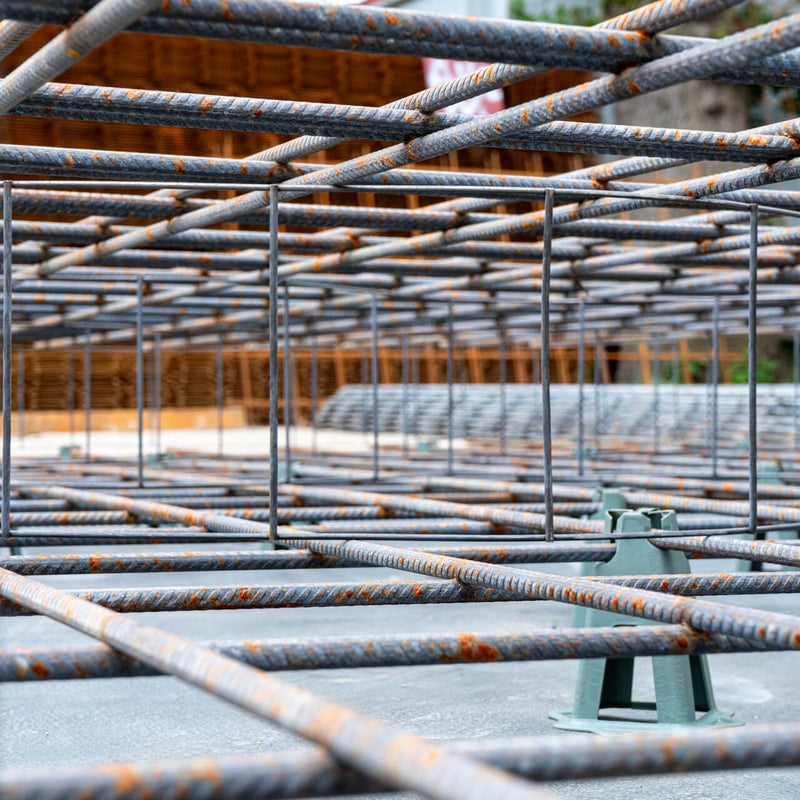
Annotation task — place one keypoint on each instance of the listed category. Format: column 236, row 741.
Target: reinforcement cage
column 168, row 250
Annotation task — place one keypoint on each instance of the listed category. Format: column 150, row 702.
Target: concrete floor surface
column 84, row 722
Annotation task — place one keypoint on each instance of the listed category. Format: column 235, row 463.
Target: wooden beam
column 686, row 358
column 562, row 366
column 645, row 363
column 340, row 368
column 385, row 358
column 247, row 383
column 476, row 366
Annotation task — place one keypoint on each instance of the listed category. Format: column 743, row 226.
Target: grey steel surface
column 392, row 543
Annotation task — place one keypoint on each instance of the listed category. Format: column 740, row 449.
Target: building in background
column 217, row 67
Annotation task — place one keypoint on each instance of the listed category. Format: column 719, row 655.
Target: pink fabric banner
column 438, row 70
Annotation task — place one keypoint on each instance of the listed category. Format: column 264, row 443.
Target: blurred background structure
column 211, row 66
column 397, row 351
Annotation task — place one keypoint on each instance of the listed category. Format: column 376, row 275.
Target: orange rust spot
column 40, row 670
column 227, row 12
column 127, row 779
column 206, row 104
column 470, row 648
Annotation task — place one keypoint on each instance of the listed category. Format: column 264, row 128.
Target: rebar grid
column 496, row 258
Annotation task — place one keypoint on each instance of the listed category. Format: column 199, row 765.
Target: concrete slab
column 85, row 722
column 78, row 722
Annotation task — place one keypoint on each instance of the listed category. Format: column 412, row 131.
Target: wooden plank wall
column 140, row 61
column 189, row 378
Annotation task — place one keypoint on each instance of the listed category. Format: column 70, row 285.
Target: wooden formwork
column 281, row 73
column 188, row 379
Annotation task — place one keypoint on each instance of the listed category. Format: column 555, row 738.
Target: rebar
column 461, row 275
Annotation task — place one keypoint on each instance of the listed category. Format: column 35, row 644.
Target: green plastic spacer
column 69, row 451
column 610, row 500
column 603, row 701
column 588, row 452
